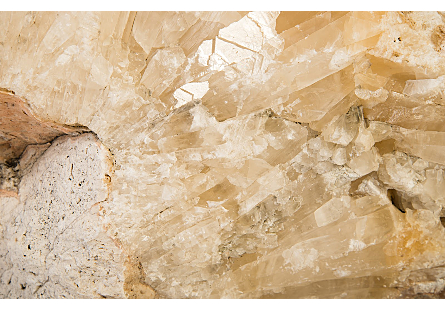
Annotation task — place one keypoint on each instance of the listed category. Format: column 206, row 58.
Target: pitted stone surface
column 54, row 243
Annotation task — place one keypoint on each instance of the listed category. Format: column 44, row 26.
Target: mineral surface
column 222, row 155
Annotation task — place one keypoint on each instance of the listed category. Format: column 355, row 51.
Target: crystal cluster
column 251, row 155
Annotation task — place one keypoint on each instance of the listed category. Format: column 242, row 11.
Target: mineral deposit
column 222, row 155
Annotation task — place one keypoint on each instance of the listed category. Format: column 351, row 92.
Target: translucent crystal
column 251, row 154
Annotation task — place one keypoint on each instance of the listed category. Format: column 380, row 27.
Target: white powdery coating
column 54, row 242
column 300, row 258
column 356, row 245
column 341, row 273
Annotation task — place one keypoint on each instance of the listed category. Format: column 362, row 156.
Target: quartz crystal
column 222, row 155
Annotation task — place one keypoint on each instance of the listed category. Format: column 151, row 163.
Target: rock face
column 54, row 241
column 251, row 155
column 19, row 128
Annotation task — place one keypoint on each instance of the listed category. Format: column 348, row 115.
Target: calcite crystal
column 222, row 155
